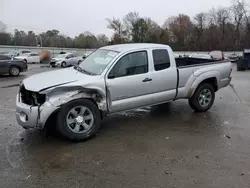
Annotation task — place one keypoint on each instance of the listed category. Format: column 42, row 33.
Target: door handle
column 147, row 80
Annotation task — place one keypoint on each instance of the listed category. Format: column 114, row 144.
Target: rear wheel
column 79, row 120
column 79, row 62
column 14, row 71
column 203, row 98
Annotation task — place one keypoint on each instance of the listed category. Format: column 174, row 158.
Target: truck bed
column 189, row 69
column 190, row 61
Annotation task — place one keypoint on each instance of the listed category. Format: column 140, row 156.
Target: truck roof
column 133, row 46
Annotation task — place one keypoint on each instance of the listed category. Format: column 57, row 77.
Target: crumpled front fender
column 61, row 95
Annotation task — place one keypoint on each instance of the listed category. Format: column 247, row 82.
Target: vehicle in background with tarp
column 244, row 62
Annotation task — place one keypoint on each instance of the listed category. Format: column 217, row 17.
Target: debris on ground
column 227, row 136
column 21, row 139
column 242, row 174
column 167, row 138
column 197, row 157
column 28, row 177
column 168, row 173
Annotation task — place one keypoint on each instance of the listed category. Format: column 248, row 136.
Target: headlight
column 21, row 85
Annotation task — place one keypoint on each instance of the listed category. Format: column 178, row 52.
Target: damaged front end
column 35, row 108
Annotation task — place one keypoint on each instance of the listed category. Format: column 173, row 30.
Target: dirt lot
column 165, row 146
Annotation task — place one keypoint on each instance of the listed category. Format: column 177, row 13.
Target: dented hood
column 46, row 80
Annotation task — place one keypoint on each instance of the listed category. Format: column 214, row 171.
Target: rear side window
column 34, row 54
column 70, row 56
column 2, row 57
column 161, row 59
column 25, row 51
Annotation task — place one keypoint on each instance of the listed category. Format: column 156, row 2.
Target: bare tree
column 130, row 21
column 238, row 13
column 223, row 17
column 200, row 22
column 118, row 27
column 3, row 27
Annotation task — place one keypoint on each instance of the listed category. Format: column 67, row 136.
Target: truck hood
column 50, row 79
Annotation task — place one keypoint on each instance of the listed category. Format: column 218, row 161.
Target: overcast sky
column 71, row 17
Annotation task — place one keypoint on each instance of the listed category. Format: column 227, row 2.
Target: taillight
column 231, row 69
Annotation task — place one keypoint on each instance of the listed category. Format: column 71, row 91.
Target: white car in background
column 201, row 56
column 30, row 57
column 15, row 53
column 66, row 60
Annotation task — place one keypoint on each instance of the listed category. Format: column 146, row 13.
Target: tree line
column 223, row 28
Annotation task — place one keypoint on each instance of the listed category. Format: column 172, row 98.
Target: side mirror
column 111, row 75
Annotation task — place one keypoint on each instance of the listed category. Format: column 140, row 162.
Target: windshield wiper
column 78, row 68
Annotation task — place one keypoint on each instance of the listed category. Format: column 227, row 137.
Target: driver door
column 128, row 82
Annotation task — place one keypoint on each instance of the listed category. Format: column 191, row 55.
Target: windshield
column 61, row 56
column 96, row 62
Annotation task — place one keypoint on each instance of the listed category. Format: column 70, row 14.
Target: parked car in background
column 12, row 66
column 202, row 56
column 30, row 57
column 234, row 57
column 66, row 60
column 114, row 79
column 217, row 55
column 16, row 53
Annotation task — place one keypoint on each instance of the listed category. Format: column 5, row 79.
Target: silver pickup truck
column 114, row 79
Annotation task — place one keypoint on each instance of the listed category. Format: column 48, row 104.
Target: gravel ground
column 165, row 146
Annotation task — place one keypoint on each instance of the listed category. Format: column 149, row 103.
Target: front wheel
column 63, row 64
column 203, row 98
column 79, row 120
column 79, row 62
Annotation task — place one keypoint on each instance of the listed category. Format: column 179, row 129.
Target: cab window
column 130, row 64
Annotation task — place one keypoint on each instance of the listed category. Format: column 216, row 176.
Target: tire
column 79, row 62
column 25, row 61
column 69, row 131
column 63, row 64
column 204, row 89
column 238, row 67
column 14, row 71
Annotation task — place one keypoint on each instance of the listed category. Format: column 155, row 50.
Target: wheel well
column 51, row 121
column 16, row 67
column 52, row 118
column 212, row 81
column 94, row 102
